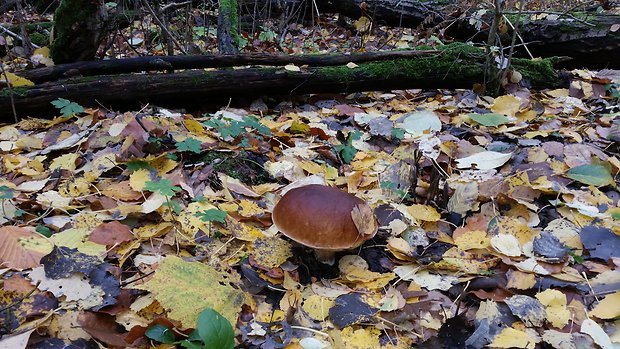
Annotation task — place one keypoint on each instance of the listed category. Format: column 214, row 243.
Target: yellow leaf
column 43, row 51
column 317, row 306
column 424, row 213
column 162, row 164
column 555, row 306
column 249, row 208
column 608, row 308
column 138, row 179
column 65, row 162
column 476, row 239
column 363, row 24
column 185, row 288
column 75, row 187
column 297, row 127
column 271, row 251
column 15, row 80
column 511, row 338
column 152, row 230
column 507, row 105
column 78, row 238
column 194, row 126
column 520, row 280
column 361, row 338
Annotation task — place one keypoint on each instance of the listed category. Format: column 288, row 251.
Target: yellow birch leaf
column 608, row 308
column 555, row 307
column 194, row 126
column 271, row 252
column 520, row 280
column 15, row 81
column 64, row 162
column 424, row 213
column 507, row 105
column 317, row 306
column 511, row 338
column 138, row 179
column 249, row 208
column 185, row 288
column 78, row 238
column 360, row 338
column 476, row 239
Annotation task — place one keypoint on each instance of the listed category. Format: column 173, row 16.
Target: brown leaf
column 102, row 327
column 111, row 233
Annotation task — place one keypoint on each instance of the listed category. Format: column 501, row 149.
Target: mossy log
column 456, row 66
column 167, row 63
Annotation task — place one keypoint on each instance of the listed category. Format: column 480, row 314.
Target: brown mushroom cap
column 320, row 217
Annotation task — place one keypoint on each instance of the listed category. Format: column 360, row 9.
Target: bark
column 228, row 27
column 79, row 28
column 161, row 63
column 456, row 66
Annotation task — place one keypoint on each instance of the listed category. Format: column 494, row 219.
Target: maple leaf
column 190, row 144
column 163, row 186
column 67, row 107
column 212, row 215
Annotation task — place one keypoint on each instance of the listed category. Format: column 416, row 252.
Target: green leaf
column 214, row 330
column 174, row 206
column 578, row 259
column 491, row 119
column 139, row 165
column 161, row 334
column 347, row 152
column 189, row 345
column 67, row 107
column 250, row 121
column 163, row 186
column 398, row 133
column 190, row 144
column 596, row 175
column 212, row 215
column 6, row 192
column 43, row 230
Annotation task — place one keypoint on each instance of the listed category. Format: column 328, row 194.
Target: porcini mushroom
column 324, row 218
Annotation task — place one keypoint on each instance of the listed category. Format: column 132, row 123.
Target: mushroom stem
column 325, row 256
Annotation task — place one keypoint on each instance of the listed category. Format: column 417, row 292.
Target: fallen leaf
column 485, row 160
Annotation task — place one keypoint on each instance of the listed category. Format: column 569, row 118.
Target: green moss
column 456, row 58
column 538, row 71
column 19, row 91
column 40, row 39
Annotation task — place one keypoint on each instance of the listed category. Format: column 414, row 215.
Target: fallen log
column 162, row 63
column 456, row 66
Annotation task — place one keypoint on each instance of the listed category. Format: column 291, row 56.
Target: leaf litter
column 499, row 223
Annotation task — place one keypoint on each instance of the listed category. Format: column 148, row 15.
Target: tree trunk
column 457, row 66
column 79, row 28
column 228, row 27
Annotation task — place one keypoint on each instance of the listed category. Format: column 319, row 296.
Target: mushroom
column 325, row 219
